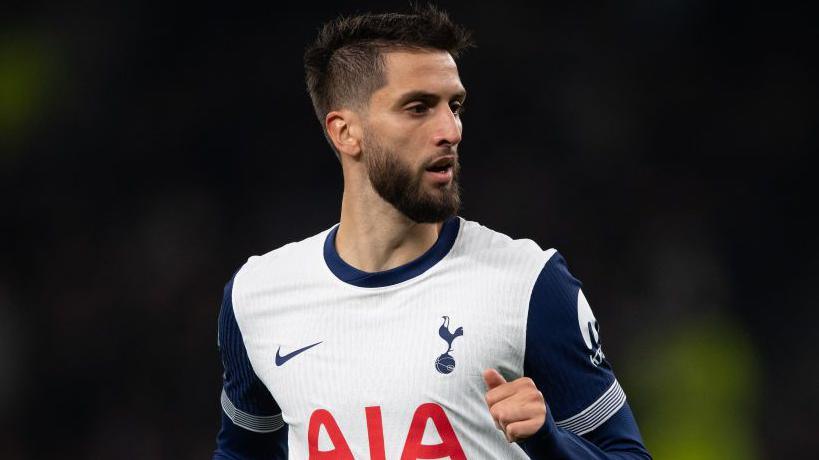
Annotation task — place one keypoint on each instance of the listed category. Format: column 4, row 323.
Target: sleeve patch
column 589, row 329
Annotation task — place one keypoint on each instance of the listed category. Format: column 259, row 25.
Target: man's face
column 411, row 134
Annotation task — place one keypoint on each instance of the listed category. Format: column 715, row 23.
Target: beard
column 403, row 188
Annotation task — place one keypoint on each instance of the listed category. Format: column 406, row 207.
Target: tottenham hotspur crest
column 446, row 363
column 589, row 329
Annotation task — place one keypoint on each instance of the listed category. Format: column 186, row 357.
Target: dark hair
column 345, row 65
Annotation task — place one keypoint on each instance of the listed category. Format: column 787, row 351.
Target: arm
column 587, row 416
column 252, row 425
column 617, row 438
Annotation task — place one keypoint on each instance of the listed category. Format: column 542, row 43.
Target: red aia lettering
column 341, row 451
column 413, row 449
column 375, row 432
column 449, row 445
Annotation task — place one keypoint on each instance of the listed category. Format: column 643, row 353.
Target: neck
column 373, row 236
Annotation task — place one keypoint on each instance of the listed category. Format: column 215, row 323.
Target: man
column 405, row 331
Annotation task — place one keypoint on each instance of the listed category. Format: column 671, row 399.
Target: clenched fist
column 517, row 407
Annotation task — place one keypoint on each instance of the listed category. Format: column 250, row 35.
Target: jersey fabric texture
column 322, row 360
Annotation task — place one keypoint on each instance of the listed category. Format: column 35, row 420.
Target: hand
column 517, row 407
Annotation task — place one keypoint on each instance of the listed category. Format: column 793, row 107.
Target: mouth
column 441, row 170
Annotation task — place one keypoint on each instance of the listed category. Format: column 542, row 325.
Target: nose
column 448, row 129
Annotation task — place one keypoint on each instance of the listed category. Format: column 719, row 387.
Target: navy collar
column 349, row 274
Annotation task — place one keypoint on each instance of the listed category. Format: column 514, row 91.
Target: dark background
column 147, row 149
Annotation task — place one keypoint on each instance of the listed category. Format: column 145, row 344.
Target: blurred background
column 147, row 149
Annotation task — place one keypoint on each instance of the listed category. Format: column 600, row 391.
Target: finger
column 499, row 394
column 498, row 425
column 492, row 378
column 523, row 385
column 521, row 430
column 519, row 407
column 498, row 388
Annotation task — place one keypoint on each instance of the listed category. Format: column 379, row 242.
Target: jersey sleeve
column 252, row 425
column 588, row 416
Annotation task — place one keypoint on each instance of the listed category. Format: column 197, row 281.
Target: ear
column 344, row 129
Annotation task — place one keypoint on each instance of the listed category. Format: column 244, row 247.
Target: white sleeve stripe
column 597, row 413
column 592, row 424
column 601, row 411
column 255, row 423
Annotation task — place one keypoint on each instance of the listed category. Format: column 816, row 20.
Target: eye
column 418, row 109
column 457, row 108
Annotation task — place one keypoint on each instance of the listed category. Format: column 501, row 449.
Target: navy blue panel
column 617, row 438
column 619, row 433
column 241, row 384
column 236, row 443
column 556, row 357
column 354, row 276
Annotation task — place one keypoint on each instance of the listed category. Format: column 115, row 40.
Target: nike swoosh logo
column 283, row 359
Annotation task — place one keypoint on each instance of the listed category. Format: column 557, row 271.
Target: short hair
column 345, row 64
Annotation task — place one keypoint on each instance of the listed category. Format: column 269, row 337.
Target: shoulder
column 478, row 241
column 281, row 263
column 557, row 298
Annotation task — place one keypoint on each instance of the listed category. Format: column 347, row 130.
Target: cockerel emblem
column 445, row 363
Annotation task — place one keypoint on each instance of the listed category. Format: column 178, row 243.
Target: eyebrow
column 425, row 96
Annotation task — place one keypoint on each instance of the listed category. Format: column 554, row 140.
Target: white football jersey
column 389, row 365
